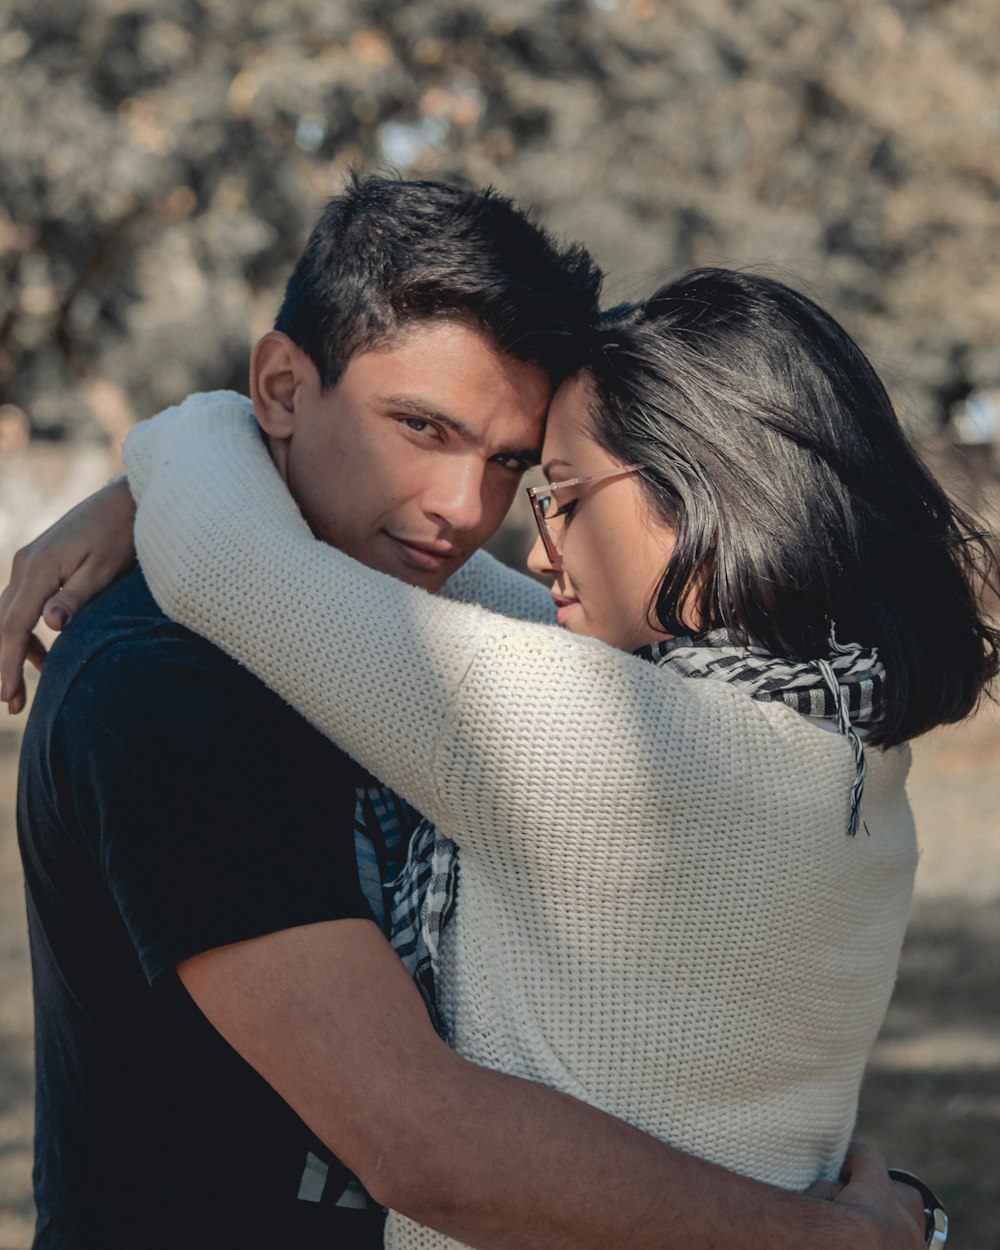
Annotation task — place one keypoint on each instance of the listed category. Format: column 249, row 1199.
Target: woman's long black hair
column 771, row 446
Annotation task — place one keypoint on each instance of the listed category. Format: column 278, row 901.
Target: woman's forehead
column 568, row 430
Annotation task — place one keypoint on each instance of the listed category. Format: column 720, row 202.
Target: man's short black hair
column 386, row 252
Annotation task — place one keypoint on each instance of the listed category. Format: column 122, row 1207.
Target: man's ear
column 278, row 369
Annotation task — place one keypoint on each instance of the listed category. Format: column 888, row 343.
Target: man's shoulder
column 123, row 619
column 124, row 667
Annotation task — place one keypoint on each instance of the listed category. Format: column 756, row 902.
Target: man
column 225, row 1037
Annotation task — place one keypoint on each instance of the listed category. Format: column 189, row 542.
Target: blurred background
column 160, row 166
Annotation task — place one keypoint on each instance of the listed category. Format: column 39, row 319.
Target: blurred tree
column 161, row 161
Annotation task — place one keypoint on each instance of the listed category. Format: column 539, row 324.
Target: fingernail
column 59, row 614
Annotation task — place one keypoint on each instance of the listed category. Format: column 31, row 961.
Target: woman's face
column 613, row 549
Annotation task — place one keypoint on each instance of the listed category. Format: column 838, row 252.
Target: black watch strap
column 935, row 1216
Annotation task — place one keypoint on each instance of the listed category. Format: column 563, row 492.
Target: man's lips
column 424, row 556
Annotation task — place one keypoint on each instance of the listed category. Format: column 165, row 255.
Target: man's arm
column 327, row 1015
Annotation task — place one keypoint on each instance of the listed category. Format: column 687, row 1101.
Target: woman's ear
column 276, row 376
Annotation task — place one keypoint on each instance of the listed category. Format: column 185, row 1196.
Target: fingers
column 35, row 654
column 824, row 1189
column 911, row 1201
column 58, row 612
column 20, row 607
column 15, row 646
column 57, row 574
column 896, row 1208
column 863, row 1163
column 61, row 607
column 96, row 571
column 14, row 650
column 31, row 595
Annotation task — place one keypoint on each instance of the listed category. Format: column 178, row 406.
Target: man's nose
column 455, row 496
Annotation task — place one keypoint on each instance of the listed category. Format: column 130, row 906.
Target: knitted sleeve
column 688, row 939
column 484, row 580
column 469, row 715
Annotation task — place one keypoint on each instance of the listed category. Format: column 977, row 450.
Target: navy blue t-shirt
column 168, row 804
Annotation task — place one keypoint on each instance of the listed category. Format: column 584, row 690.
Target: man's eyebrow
column 414, row 404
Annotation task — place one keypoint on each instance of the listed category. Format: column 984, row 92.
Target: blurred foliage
column 161, row 162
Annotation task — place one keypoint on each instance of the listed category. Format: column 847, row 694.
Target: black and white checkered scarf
column 847, row 688
column 423, row 902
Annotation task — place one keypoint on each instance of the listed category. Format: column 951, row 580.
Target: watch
column 935, row 1216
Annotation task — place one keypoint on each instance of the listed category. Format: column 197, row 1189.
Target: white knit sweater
column 659, row 911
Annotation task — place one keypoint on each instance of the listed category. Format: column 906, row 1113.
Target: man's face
column 411, row 461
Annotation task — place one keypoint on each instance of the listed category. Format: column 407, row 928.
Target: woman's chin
column 566, row 614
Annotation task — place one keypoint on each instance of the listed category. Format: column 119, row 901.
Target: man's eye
column 514, row 464
column 428, row 431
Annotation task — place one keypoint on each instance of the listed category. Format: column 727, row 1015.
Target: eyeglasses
column 546, row 508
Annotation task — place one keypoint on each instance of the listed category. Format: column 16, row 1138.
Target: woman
column 684, row 848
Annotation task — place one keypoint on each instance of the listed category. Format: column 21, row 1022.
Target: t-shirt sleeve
column 217, row 814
